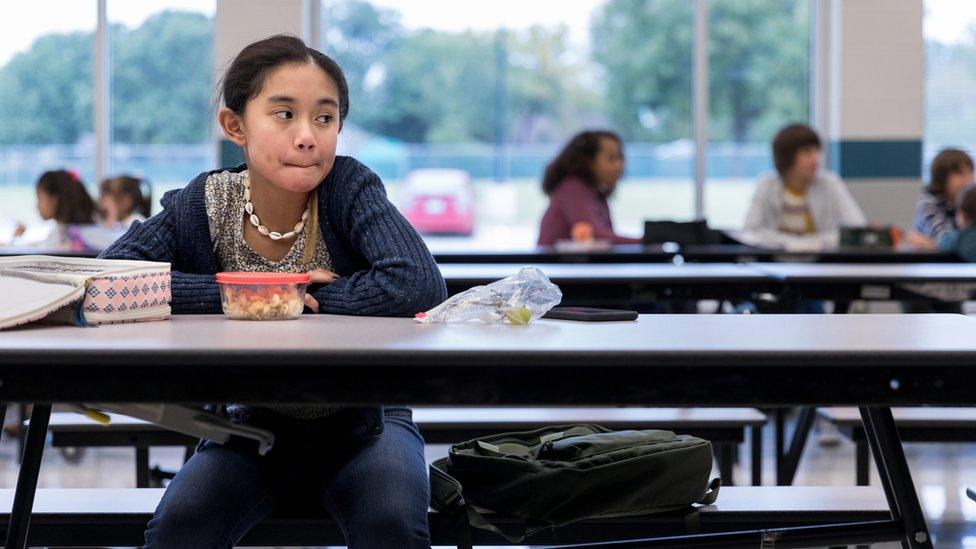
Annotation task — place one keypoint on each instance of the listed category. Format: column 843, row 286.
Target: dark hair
column 138, row 190
column 946, row 163
column 575, row 158
column 247, row 73
column 967, row 202
column 790, row 140
column 74, row 205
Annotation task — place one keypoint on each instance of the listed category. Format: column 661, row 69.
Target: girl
column 124, row 199
column 935, row 212
column 578, row 183
column 284, row 105
column 62, row 196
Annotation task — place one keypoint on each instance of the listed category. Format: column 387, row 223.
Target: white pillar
column 101, row 100
column 873, row 76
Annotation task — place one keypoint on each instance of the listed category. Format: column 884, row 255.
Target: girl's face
column 47, row 205
column 112, row 207
column 608, row 164
column 957, row 181
column 290, row 129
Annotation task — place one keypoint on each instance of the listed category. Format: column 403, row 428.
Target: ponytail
column 311, row 227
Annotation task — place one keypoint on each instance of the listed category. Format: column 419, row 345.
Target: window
column 492, row 91
column 45, row 101
column 950, row 77
column 161, row 91
column 759, row 81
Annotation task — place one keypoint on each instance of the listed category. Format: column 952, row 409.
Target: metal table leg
column 756, row 434
column 882, row 435
column 21, row 434
column 780, row 443
column 30, row 466
column 789, row 461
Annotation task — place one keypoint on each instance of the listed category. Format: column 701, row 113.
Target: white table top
column 657, row 360
column 328, row 335
column 869, row 272
column 607, row 272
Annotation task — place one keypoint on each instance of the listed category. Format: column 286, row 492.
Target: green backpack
column 558, row 475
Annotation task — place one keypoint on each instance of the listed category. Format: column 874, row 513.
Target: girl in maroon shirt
column 578, row 182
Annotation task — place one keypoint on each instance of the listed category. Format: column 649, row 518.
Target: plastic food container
column 262, row 296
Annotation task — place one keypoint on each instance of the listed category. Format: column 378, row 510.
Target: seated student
column 935, row 211
column 62, row 197
column 124, row 199
column 800, row 199
column 294, row 206
column 963, row 240
column 579, row 181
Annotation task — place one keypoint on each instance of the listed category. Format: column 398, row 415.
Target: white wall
column 239, row 22
column 875, row 70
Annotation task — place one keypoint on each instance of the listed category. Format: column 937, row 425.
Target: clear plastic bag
column 518, row 299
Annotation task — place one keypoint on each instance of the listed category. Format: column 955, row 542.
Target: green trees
column 431, row 86
column 46, row 92
column 161, row 83
column 161, row 79
column 523, row 85
column 644, row 47
column 758, row 66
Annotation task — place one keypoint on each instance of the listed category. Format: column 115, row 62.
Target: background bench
column 914, row 425
column 724, row 427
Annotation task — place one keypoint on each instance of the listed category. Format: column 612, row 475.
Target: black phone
column 589, row 314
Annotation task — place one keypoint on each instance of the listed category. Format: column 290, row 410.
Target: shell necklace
column 253, row 217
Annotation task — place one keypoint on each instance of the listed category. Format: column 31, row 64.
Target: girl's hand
column 582, row 232
column 19, row 230
column 318, row 276
column 915, row 240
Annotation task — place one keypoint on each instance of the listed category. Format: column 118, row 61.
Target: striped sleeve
column 933, row 217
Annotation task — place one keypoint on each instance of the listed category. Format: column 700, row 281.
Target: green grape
column 519, row 315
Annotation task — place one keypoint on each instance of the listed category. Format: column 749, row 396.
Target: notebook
column 82, row 291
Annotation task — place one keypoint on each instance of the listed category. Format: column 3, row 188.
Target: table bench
column 724, row 427
column 117, row 517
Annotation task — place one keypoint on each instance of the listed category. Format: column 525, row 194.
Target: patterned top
column 224, row 193
column 794, row 215
column 225, row 210
column 935, row 216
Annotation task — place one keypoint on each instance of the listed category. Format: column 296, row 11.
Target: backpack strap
column 446, row 497
column 711, row 493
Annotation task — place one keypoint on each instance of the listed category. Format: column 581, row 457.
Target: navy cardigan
column 384, row 266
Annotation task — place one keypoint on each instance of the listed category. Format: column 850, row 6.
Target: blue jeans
column 373, row 484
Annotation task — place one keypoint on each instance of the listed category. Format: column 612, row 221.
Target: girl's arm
column 155, row 240
column 578, row 204
column 402, row 278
